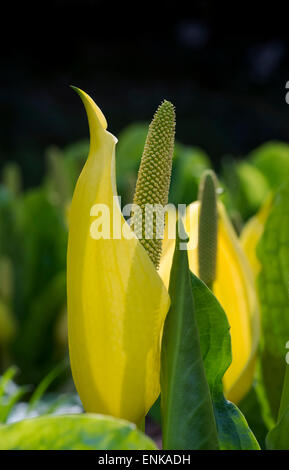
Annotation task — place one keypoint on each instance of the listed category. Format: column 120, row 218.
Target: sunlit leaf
column 73, row 432
column 273, row 254
column 233, row 430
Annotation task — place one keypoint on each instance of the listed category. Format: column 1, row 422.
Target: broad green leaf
column 273, row 254
column 187, row 413
column 272, row 159
column 278, row 437
column 73, row 432
column 247, row 186
column 251, row 407
column 233, row 430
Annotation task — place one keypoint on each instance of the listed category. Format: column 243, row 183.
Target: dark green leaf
column 187, row 413
column 251, row 407
column 213, row 325
column 76, row 432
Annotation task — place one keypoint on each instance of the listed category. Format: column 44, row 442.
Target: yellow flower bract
column 234, row 289
column 117, row 302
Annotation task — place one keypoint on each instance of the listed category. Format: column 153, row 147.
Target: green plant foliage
column 13, row 408
column 272, row 159
column 7, row 324
column 251, row 407
column 39, row 265
column 63, row 169
column 278, row 437
column 33, row 238
column 39, row 323
column 73, row 432
column 247, row 186
column 8, row 236
column 187, row 412
column 10, row 394
column 189, row 163
column 273, row 253
column 129, row 150
column 130, row 147
column 233, row 430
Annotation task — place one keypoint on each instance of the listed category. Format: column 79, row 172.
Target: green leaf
column 233, row 430
column 10, row 393
column 6, row 378
column 273, row 253
column 189, row 163
column 44, row 384
column 12, row 178
column 130, row 147
column 73, row 432
column 284, row 403
column 278, row 437
column 187, row 413
column 251, row 407
column 8, row 218
column 272, row 159
column 128, row 153
column 155, row 411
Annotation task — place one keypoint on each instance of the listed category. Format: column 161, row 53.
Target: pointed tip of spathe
column 79, row 91
column 90, row 104
column 75, row 88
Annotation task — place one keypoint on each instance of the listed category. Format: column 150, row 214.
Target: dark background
column 224, row 66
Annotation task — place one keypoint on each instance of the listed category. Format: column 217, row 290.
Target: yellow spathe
column 252, row 233
column 234, row 289
column 117, row 302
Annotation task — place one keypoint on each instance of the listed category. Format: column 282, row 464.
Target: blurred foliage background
column 227, row 82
